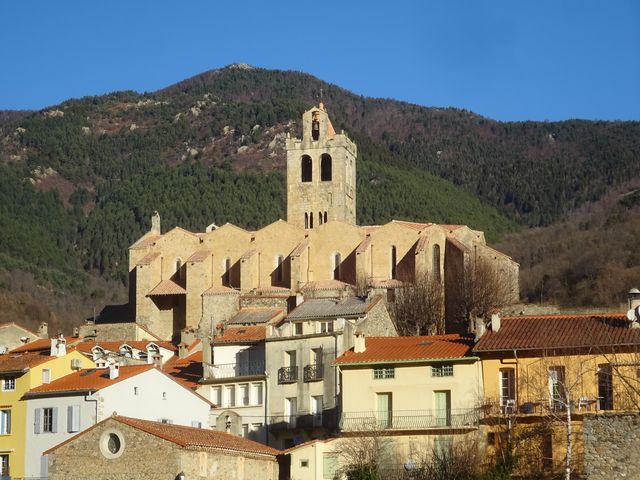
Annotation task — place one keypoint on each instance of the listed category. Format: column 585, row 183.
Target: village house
column 557, row 371
column 20, row 373
column 122, row 447
column 59, row 410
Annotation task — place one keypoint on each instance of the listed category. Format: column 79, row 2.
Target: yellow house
column 554, row 370
column 19, row 373
column 415, row 394
column 313, row 460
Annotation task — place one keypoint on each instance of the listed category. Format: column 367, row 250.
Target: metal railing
column 326, row 419
column 410, row 419
column 230, row 370
column 288, row 374
column 312, row 373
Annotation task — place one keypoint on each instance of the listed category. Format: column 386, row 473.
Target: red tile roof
column 408, row 349
column 221, row 290
column 187, row 371
column 87, row 346
column 300, row 248
column 88, row 380
column 325, row 285
column 364, row 245
column 21, row 362
column 412, row 225
column 387, row 283
column 148, row 258
column 199, row 256
column 250, row 333
column 146, row 240
column 198, row 437
column 40, row 344
column 559, row 331
column 167, row 287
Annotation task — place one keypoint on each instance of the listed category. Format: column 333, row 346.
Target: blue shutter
column 37, row 420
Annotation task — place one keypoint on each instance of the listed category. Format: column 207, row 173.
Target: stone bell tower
column 321, row 173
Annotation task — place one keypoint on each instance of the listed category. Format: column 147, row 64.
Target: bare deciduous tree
column 485, row 287
column 418, row 309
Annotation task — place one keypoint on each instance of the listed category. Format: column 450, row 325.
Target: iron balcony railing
column 313, row 372
column 288, row 375
column 410, row 419
column 326, row 419
column 230, row 370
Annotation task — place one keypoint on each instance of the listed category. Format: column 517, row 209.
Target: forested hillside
column 79, row 181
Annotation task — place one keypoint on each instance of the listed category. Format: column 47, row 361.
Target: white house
column 59, row 410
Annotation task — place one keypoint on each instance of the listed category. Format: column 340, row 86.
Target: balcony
column 326, row 419
column 231, row 370
column 288, row 375
column 410, row 420
column 313, row 373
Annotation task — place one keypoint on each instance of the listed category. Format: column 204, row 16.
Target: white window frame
column 9, row 384
column 46, row 375
column 442, row 370
column 5, row 421
column 384, row 373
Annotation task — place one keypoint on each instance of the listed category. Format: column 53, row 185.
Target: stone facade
column 147, row 457
column 611, row 445
column 176, row 275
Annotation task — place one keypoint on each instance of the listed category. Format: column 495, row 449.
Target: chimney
column 359, row 345
column 495, row 322
column 183, row 350
column 43, row 330
column 155, row 223
column 58, row 346
column 480, row 328
column 157, row 361
column 76, row 332
column 114, row 370
column 634, row 298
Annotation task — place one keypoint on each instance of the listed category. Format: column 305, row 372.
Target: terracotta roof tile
column 559, row 331
column 167, row 287
column 452, row 227
column 412, row 225
column 250, row 333
column 198, row 437
column 88, row 380
column 148, row 258
column 364, row 245
column 21, row 362
column 422, row 244
column 221, row 290
column 40, row 344
column 199, row 256
column 147, row 240
column 411, row 349
column 325, row 285
column 387, row 283
column 458, row 244
column 87, row 346
column 187, row 371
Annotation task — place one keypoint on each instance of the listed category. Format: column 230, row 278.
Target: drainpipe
column 266, row 407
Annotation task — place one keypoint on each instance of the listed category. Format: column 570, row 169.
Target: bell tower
column 321, row 173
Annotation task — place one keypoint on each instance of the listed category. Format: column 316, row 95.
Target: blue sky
column 508, row 60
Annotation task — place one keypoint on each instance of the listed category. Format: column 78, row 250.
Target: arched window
column 279, row 268
column 306, row 220
column 436, row 262
column 226, row 267
column 307, row 168
column 320, row 222
column 325, row 167
column 179, row 271
column 393, row 262
column 311, row 220
column 336, row 266
column 325, row 217
column 126, row 351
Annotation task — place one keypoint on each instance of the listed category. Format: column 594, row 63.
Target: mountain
column 79, row 181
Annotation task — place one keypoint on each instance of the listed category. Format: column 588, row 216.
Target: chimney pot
column 634, row 298
column 495, row 322
column 114, row 370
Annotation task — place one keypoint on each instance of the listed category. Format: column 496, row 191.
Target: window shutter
column 54, row 420
column 37, row 420
column 70, row 418
column 73, row 418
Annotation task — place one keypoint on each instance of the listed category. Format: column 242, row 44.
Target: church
column 182, row 280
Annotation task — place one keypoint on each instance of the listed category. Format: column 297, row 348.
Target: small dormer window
column 126, row 351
